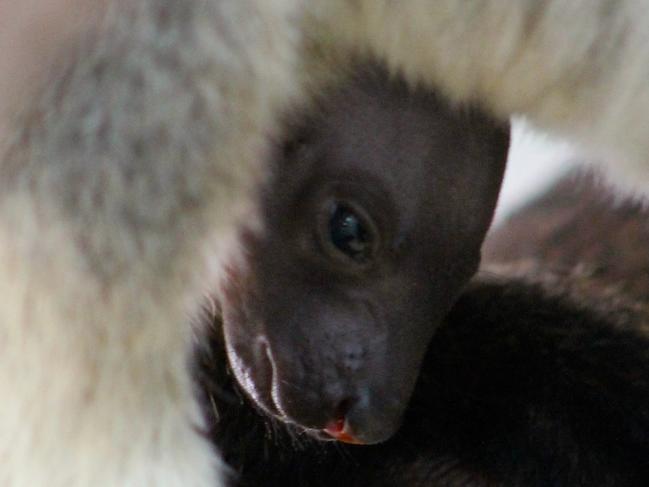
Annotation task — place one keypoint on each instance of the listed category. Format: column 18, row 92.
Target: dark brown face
column 373, row 224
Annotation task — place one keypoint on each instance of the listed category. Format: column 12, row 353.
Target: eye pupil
column 348, row 234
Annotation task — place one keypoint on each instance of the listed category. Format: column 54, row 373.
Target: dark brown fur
column 318, row 335
column 539, row 376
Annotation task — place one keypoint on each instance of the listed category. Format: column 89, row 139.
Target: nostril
column 354, row 357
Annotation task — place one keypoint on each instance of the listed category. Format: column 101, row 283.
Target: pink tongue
column 336, row 429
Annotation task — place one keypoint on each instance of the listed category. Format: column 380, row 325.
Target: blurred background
column 536, row 160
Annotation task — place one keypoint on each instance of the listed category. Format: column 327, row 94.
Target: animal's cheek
column 249, row 360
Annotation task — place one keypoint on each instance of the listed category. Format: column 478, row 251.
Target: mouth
column 331, row 435
column 338, row 430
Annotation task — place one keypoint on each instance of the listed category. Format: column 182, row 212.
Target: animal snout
column 363, row 419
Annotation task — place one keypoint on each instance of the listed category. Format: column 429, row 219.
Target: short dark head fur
column 372, row 225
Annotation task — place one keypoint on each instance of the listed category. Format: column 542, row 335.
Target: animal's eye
column 350, row 233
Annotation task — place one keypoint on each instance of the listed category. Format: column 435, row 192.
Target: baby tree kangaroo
column 536, row 377
column 372, row 224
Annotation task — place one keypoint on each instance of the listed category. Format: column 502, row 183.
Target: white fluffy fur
column 99, row 264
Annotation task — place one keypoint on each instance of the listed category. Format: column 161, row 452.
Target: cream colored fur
column 141, row 149
column 578, row 68
column 138, row 151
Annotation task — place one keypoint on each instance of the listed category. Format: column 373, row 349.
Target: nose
column 362, row 420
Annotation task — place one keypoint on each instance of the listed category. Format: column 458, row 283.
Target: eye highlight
column 349, row 233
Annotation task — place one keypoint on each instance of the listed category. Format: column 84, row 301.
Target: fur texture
column 141, row 146
column 121, row 172
column 381, row 197
column 576, row 68
column 538, row 376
